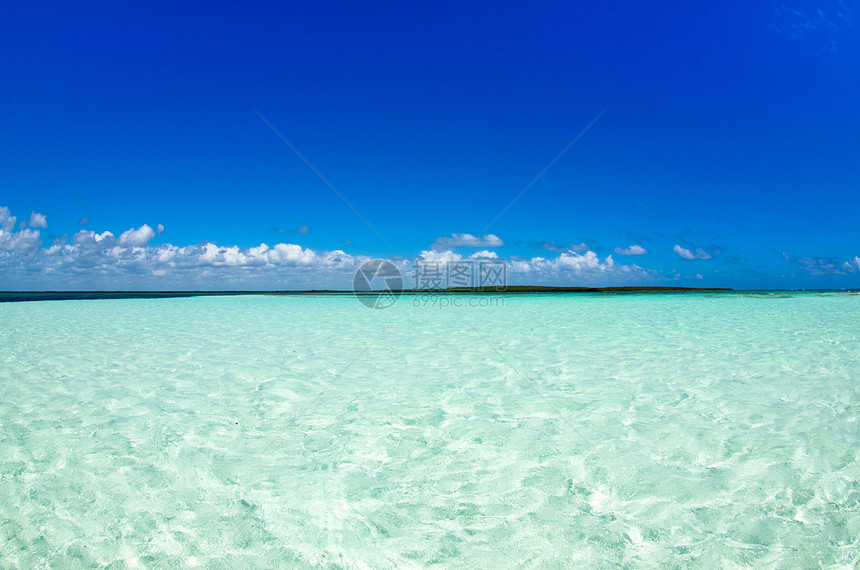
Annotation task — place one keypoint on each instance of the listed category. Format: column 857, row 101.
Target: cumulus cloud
column 467, row 240
column 688, row 254
column 23, row 242
column 7, row 220
column 585, row 261
column 576, row 268
column 159, row 229
column 88, row 237
column 38, row 221
column 435, row 255
column 484, row 254
column 632, row 250
column 137, row 238
column 104, row 254
column 852, row 265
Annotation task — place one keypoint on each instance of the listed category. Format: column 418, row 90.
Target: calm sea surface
column 541, row 431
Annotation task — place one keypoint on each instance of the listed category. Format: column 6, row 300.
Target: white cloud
column 23, row 242
column 37, row 220
column 852, row 265
column 521, row 265
column 7, row 220
column 824, row 265
column 819, row 265
column 484, row 254
column 434, row 255
column 137, row 238
column 159, row 229
column 291, row 254
column 85, row 237
column 687, row 254
column 467, row 240
column 574, row 268
column 632, row 250
column 582, row 262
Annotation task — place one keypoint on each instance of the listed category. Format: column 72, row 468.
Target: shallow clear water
column 553, row 431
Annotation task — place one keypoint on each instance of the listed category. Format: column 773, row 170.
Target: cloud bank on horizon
column 102, row 260
column 89, row 259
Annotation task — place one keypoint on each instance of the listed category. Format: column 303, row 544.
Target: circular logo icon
column 377, row 284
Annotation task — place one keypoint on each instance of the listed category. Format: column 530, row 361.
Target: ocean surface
column 704, row 430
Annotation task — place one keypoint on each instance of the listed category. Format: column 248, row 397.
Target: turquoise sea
column 703, row 430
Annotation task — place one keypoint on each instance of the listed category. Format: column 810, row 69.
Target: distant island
column 543, row 289
column 11, row 296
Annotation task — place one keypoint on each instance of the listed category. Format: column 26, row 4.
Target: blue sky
column 726, row 151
